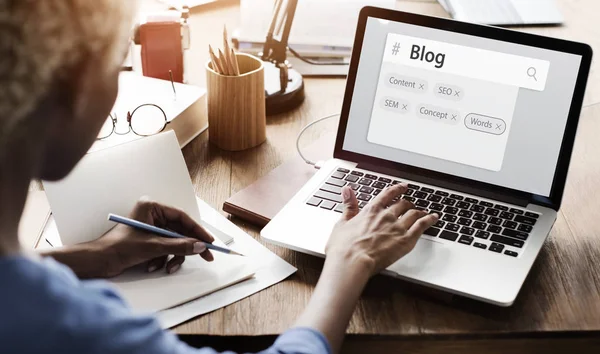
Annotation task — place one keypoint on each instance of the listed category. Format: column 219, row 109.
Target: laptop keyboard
column 466, row 220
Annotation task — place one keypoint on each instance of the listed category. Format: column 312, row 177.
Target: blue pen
column 165, row 233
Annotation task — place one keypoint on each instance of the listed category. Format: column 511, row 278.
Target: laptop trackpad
column 427, row 259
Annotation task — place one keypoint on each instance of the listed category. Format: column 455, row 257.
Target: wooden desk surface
column 561, row 294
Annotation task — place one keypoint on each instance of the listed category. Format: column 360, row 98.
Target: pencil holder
column 236, row 105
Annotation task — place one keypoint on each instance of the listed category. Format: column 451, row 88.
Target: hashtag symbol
column 395, row 48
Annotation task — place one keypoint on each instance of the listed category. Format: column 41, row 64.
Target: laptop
column 479, row 121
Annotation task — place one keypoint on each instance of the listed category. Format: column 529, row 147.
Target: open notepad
column 112, row 181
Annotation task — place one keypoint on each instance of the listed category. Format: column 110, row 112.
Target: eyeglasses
column 146, row 120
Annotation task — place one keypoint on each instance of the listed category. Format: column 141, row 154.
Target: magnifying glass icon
column 531, row 72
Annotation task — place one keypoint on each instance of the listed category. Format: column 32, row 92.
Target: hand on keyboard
column 383, row 232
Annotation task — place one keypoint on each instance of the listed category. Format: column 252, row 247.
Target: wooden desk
column 560, row 301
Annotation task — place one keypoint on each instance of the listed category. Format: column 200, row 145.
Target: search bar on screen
column 465, row 61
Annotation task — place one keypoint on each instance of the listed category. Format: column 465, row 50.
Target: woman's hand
column 361, row 244
column 382, row 233
column 124, row 247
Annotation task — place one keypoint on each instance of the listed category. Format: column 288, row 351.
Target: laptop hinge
column 495, row 193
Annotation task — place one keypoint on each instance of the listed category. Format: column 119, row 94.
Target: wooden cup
column 236, row 105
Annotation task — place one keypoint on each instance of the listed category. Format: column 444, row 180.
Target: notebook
column 112, row 181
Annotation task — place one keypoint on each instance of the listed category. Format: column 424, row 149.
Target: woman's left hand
column 124, row 247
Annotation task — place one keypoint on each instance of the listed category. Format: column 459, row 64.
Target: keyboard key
column 413, row 186
column 439, row 224
column 422, row 203
column 452, row 227
column 457, row 197
column 495, row 221
column 432, row 231
column 501, row 207
column 371, row 176
column 506, row 215
column 376, row 192
column 480, row 217
column 517, row 211
column 434, row 198
column 449, row 201
column 336, row 182
column 510, row 224
column 479, row 245
column 511, row 253
column 354, row 186
column 467, row 230
column 466, row 240
column 339, row 208
column 494, row 229
column 331, row 189
column 352, row 178
column 343, row 170
column 362, row 204
column 532, row 215
column 379, row 185
column 450, row 210
column 327, row 205
column 329, row 196
column 365, row 181
column 482, row 234
column 492, row 212
column 396, row 182
column 364, row 197
column 442, row 193
column 447, row 235
column 465, row 213
column 314, row 201
column 338, row 175
column 525, row 220
column 516, row 234
column 357, row 173
column 436, row 207
column 420, row 195
column 449, row 218
column 464, row 222
column 409, row 192
column 427, row 190
column 366, row 189
column 477, row 208
column 496, row 247
column 507, row 241
column 463, row 205
column 479, row 225
column 410, row 199
column 471, row 200
column 524, row 228
column 485, row 204
column 385, row 180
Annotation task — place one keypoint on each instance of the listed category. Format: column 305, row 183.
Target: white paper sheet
column 269, row 270
column 113, row 180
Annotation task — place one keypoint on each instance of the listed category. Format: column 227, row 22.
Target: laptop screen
column 464, row 105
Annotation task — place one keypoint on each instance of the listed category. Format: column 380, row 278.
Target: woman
column 59, row 64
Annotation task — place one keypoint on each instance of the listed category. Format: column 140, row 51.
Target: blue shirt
column 45, row 308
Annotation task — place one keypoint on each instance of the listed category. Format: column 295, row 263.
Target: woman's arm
column 360, row 246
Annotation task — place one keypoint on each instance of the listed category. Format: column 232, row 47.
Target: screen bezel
column 564, row 158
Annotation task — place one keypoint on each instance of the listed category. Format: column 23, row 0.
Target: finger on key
column 386, row 197
column 401, row 207
column 410, row 217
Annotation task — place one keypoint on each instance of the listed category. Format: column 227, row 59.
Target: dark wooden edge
column 580, row 342
column 245, row 214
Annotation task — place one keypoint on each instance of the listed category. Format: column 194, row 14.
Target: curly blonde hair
column 42, row 40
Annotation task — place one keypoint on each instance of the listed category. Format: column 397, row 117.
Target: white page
column 269, row 270
column 318, row 22
column 113, row 180
column 152, row 292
